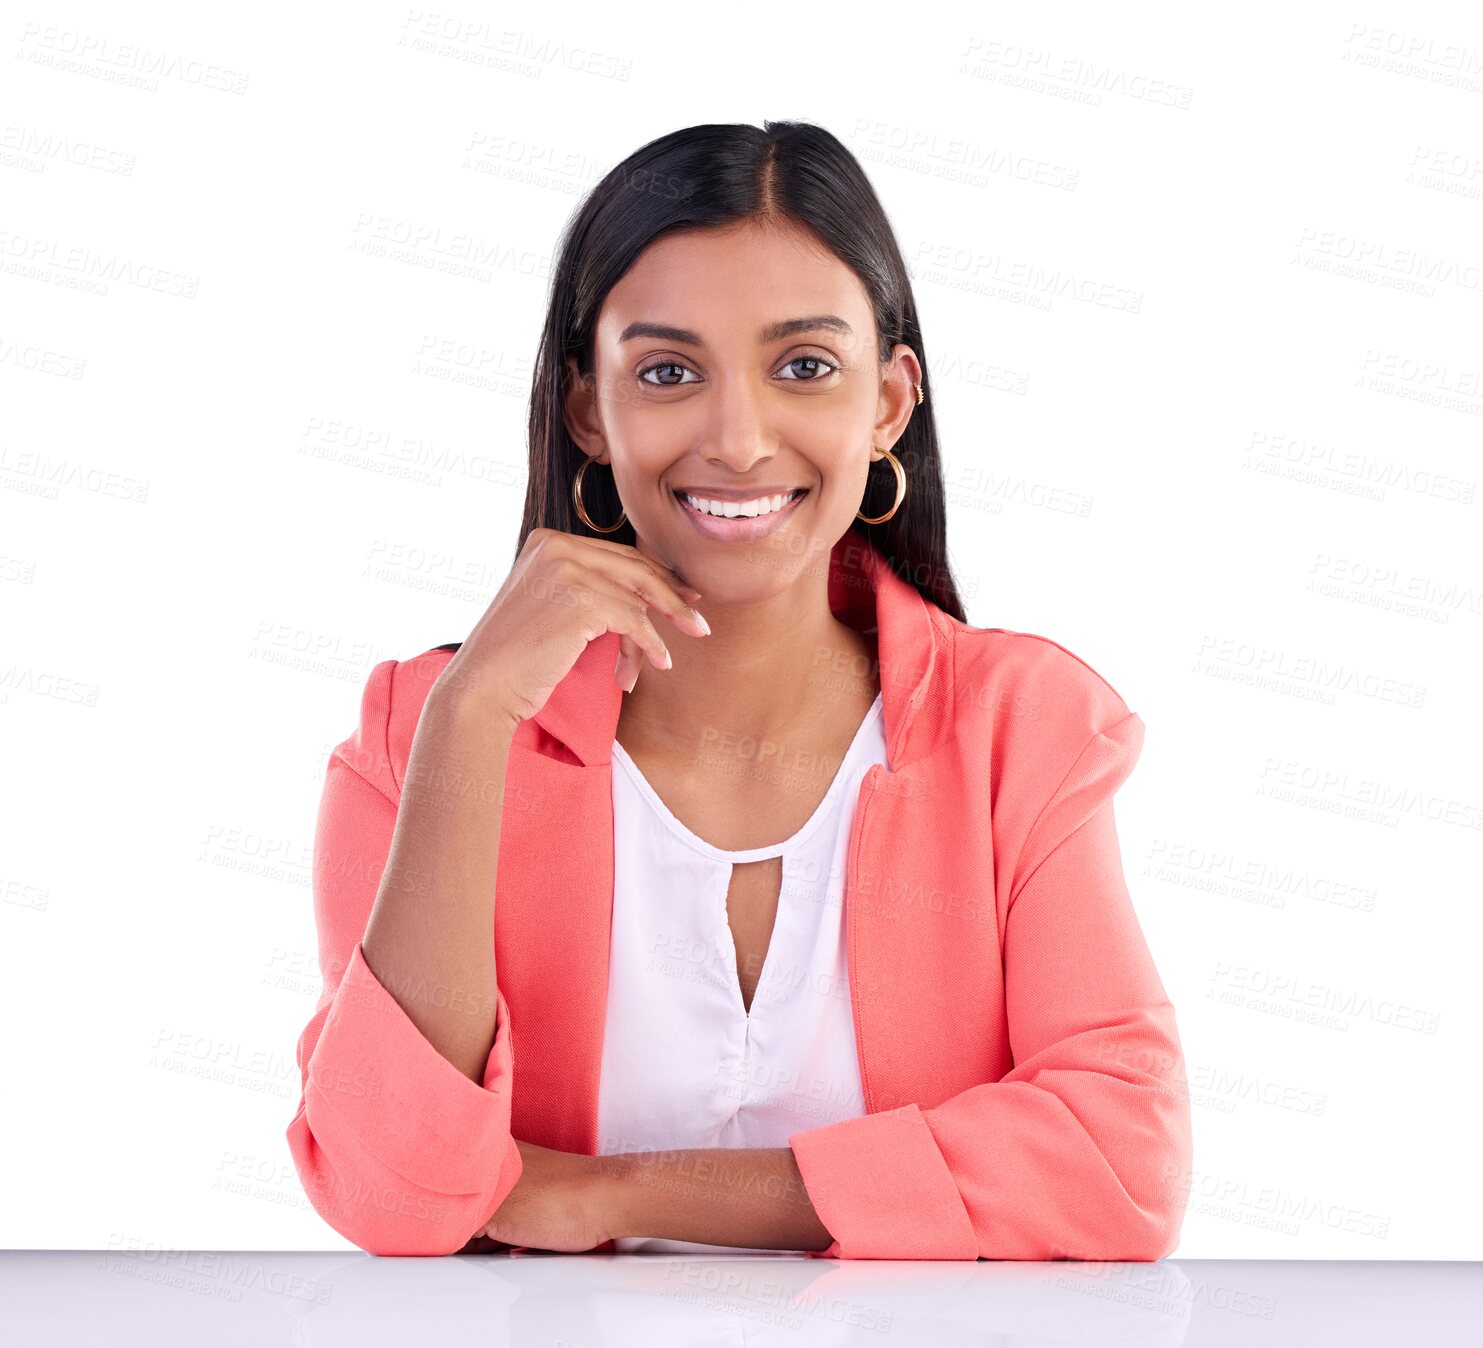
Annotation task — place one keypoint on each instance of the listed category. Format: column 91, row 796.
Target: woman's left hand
column 559, row 1203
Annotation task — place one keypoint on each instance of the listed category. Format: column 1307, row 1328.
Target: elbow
column 1160, row 1185
column 421, row 1231
column 1153, row 1234
column 411, row 1224
column 1138, row 1232
column 1139, row 1187
column 382, row 1212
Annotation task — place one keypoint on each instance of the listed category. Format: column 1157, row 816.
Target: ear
column 898, row 398
column 579, row 411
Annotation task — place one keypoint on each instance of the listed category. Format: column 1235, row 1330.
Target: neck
column 761, row 674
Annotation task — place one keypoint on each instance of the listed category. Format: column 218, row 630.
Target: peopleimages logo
column 128, row 63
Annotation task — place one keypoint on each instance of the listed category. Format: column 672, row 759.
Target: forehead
column 729, row 283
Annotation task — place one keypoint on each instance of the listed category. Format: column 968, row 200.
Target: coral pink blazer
column 1023, row 1076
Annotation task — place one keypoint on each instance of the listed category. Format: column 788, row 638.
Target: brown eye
column 664, row 365
column 829, row 367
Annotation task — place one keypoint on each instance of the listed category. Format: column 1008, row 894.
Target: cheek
column 640, row 454
column 646, row 436
column 845, row 470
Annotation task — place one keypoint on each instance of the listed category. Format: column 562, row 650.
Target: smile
column 740, row 521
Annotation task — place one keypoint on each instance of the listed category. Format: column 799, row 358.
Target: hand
column 559, row 1203
column 563, row 592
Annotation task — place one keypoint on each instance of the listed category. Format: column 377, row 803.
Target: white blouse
column 684, row 1063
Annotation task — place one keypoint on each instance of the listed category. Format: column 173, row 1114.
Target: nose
column 737, row 436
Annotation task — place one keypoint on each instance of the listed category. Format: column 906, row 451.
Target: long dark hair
column 720, row 174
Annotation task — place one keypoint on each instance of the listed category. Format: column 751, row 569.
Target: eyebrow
column 773, row 332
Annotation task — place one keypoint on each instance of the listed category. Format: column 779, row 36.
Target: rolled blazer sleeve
column 1081, row 1151
column 397, row 1149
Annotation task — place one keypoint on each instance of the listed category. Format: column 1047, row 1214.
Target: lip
column 739, row 530
column 740, row 493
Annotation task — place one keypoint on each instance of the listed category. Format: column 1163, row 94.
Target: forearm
column 752, row 1197
column 429, row 939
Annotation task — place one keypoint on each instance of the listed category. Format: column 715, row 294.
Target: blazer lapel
column 554, row 903
column 905, row 842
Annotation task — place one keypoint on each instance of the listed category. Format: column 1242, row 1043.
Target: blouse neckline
column 699, row 844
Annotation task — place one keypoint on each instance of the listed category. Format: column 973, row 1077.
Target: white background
column 1201, row 299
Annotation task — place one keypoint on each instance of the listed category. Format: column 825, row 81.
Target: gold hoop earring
column 582, row 510
column 900, row 490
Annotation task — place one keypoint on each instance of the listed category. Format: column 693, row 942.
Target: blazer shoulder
column 1029, row 679
column 1062, row 741
column 391, row 704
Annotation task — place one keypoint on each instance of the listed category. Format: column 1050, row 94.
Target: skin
column 740, row 412
column 813, row 408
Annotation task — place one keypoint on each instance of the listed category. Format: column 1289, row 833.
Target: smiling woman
column 817, row 940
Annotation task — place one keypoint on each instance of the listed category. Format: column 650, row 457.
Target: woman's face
column 739, row 362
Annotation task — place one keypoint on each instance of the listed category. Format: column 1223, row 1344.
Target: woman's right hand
column 563, row 592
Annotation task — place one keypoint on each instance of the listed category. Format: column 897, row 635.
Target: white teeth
column 764, row 505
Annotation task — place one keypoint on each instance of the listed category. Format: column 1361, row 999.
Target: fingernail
column 669, row 660
column 700, row 618
column 632, row 679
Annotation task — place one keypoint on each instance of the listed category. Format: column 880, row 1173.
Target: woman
column 815, row 936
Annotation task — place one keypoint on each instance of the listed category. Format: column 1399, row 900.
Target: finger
column 630, row 662
column 621, row 610
column 656, row 589
column 625, row 550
